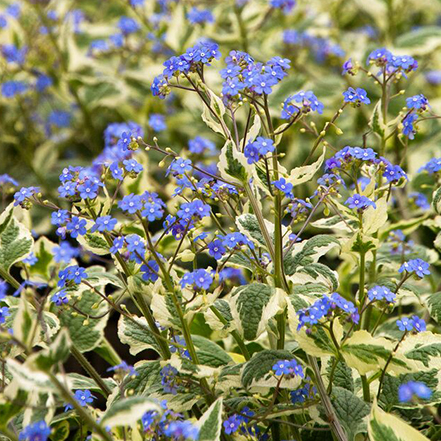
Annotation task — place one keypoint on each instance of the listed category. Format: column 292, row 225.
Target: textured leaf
column 233, row 165
column 210, row 424
column 342, row 375
column 78, row 381
column 434, row 306
column 87, row 337
column 299, row 175
column 309, row 251
column 25, row 324
column 422, row 351
column 41, row 270
column 257, row 372
column 15, row 240
column 436, row 200
column 95, row 243
column 366, row 353
column 209, row 353
column 128, row 411
column 383, row 426
column 249, row 226
column 376, row 122
column 57, row 352
column 147, row 378
column 351, row 411
column 214, row 121
column 139, row 337
column 252, row 306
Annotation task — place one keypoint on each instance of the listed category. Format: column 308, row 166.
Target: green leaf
column 94, row 243
column 342, row 375
column 420, row 41
column 214, row 121
column 249, row 226
column 366, row 353
column 351, row 411
column 422, row 350
column 25, row 324
column 309, row 251
column 436, row 200
column 383, row 426
column 11, row 407
column 252, row 306
column 138, row 337
column 41, row 270
column 258, row 371
column 210, row 353
column 128, row 411
column 60, row 431
column 28, row 379
column 210, row 424
column 15, row 240
column 148, row 377
column 434, row 306
column 233, row 165
column 300, row 175
column 376, row 122
column 87, row 336
column 57, row 352
column 78, row 381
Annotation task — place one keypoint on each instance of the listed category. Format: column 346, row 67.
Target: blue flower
column 38, row 431
column 150, row 271
column 433, row 166
column 251, row 153
column 118, row 243
column 83, row 397
column 152, row 211
column 128, row 25
column 73, row 273
column 25, row 193
column 307, row 100
column 284, row 187
column 157, row 122
column 417, row 266
column 420, row 200
column 181, row 430
column 200, row 278
column 135, row 244
column 59, row 217
column 346, row 305
column 131, row 165
column 356, row 97
column 3, row 289
column 180, row 166
column 60, row 298
column 76, row 227
column 196, row 16
column 359, row 202
column 196, row 209
column 405, row 324
column 408, row 127
column 4, row 312
column 264, row 145
column 130, row 203
column 30, row 260
column 232, row 424
column 125, row 367
column 417, row 102
column 88, row 190
column 117, row 172
column 285, row 5
column 13, row 88
column 348, row 67
column 104, row 223
column 216, row 249
column 198, row 145
column 233, row 240
column 381, row 293
column 407, row 391
column 393, row 173
column 168, row 379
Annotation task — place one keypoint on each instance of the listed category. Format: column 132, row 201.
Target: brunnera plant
column 272, row 316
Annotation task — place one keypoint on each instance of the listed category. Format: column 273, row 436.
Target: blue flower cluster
column 198, row 279
column 411, row 324
column 381, row 293
column 243, row 76
column 359, row 202
column 241, row 421
column 256, row 150
column 288, row 368
column 35, row 431
column 415, row 266
column 192, row 61
column 325, row 307
column 301, row 102
column 408, row 391
column 322, row 48
column 83, row 397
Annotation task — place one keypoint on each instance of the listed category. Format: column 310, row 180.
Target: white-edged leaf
column 210, row 424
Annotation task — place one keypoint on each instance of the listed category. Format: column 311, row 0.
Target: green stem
column 234, row 333
column 6, row 276
column 68, row 397
column 90, row 370
column 9, row 433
